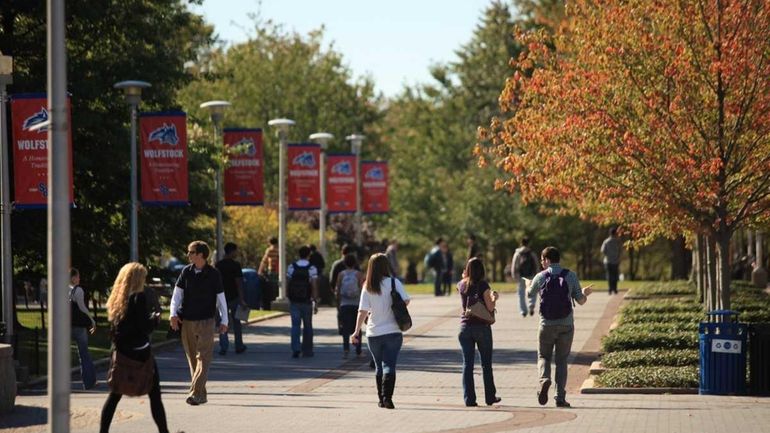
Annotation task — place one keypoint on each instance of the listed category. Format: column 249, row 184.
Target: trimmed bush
column 649, row 377
column 672, row 288
column 670, row 305
column 680, row 319
column 651, row 358
column 619, row 340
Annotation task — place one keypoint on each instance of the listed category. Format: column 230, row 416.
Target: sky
column 393, row 41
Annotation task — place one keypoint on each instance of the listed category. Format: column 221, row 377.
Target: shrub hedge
column 674, row 288
column 619, row 340
column 651, row 357
column 649, row 377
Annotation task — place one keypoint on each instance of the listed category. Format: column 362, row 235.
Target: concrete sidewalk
column 264, row 389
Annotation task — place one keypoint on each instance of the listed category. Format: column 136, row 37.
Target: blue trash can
column 722, row 354
column 252, row 290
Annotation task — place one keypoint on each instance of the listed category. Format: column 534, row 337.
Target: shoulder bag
column 479, row 310
column 400, row 312
column 130, row 377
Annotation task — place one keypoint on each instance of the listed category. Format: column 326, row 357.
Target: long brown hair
column 130, row 280
column 379, row 268
column 474, row 273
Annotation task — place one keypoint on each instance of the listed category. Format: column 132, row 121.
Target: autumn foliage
column 651, row 114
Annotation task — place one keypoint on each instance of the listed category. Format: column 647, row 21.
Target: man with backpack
column 558, row 289
column 524, row 265
column 302, row 292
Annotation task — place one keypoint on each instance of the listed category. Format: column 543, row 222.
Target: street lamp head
column 216, row 109
column 281, row 125
column 322, row 138
column 355, row 142
column 132, row 90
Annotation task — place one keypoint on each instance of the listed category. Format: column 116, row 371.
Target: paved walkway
column 265, row 389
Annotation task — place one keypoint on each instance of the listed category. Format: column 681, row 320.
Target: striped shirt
column 270, row 260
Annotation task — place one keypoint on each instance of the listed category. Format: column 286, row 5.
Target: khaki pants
column 559, row 337
column 198, row 343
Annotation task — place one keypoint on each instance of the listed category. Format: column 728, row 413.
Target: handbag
column 242, row 313
column 130, row 377
column 479, row 311
column 400, row 312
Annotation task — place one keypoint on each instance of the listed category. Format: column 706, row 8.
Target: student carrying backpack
column 348, row 288
column 302, row 291
column 557, row 288
column 524, row 265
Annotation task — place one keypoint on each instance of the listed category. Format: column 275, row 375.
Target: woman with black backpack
column 348, row 292
column 476, row 330
column 383, row 333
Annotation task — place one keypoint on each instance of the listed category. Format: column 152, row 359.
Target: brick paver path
column 265, row 390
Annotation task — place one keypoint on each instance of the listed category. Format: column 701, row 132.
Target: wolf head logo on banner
column 165, row 134
column 37, row 118
column 304, row 159
column 342, row 167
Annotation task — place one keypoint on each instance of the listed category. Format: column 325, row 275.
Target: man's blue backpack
column 555, row 299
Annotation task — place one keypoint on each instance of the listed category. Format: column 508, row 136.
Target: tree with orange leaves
column 651, row 114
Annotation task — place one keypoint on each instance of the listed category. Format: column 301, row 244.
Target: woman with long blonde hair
column 131, row 322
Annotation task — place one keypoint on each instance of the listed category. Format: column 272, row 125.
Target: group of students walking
column 365, row 305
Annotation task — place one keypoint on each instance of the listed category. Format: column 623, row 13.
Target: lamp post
column 217, row 111
column 323, row 139
column 59, row 229
column 132, row 90
column 355, row 146
column 6, row 77
column 282, row 129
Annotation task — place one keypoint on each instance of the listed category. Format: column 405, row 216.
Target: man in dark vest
column 198, row 295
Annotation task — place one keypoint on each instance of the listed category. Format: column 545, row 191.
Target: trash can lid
column 722, row 313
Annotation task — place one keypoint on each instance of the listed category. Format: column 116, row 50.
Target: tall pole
column 6, row 77
column 322, row 138
column 217, row 110
column 282, row 126
column 134, row 192
column 355, row 141
column 58, row 225
column 220, row 203
column 133, row 94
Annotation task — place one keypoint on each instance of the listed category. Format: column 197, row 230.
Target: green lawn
column 99, row 343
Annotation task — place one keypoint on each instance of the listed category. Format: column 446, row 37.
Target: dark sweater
column 134, row 329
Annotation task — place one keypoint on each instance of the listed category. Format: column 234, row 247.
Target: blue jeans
column 523, row 309
column 301, row 312
column 385, row 350
column 87, row 371
column 235, row 325
column 471, row 336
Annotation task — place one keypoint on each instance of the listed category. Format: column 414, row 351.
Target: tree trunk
column 711, row 279
column 698, row 267
column 723, row 254
column 631, row 263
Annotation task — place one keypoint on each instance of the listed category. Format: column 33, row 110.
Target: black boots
column 388, row 383
column 379, row 390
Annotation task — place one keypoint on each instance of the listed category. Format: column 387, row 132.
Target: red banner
column 374, row 191
column 30, row 150
column 164, row 158
column 244, row 172
column 341, row 183
column 304, row 183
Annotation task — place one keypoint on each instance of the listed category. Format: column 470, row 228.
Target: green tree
column 107, row 41
column 276, row 74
